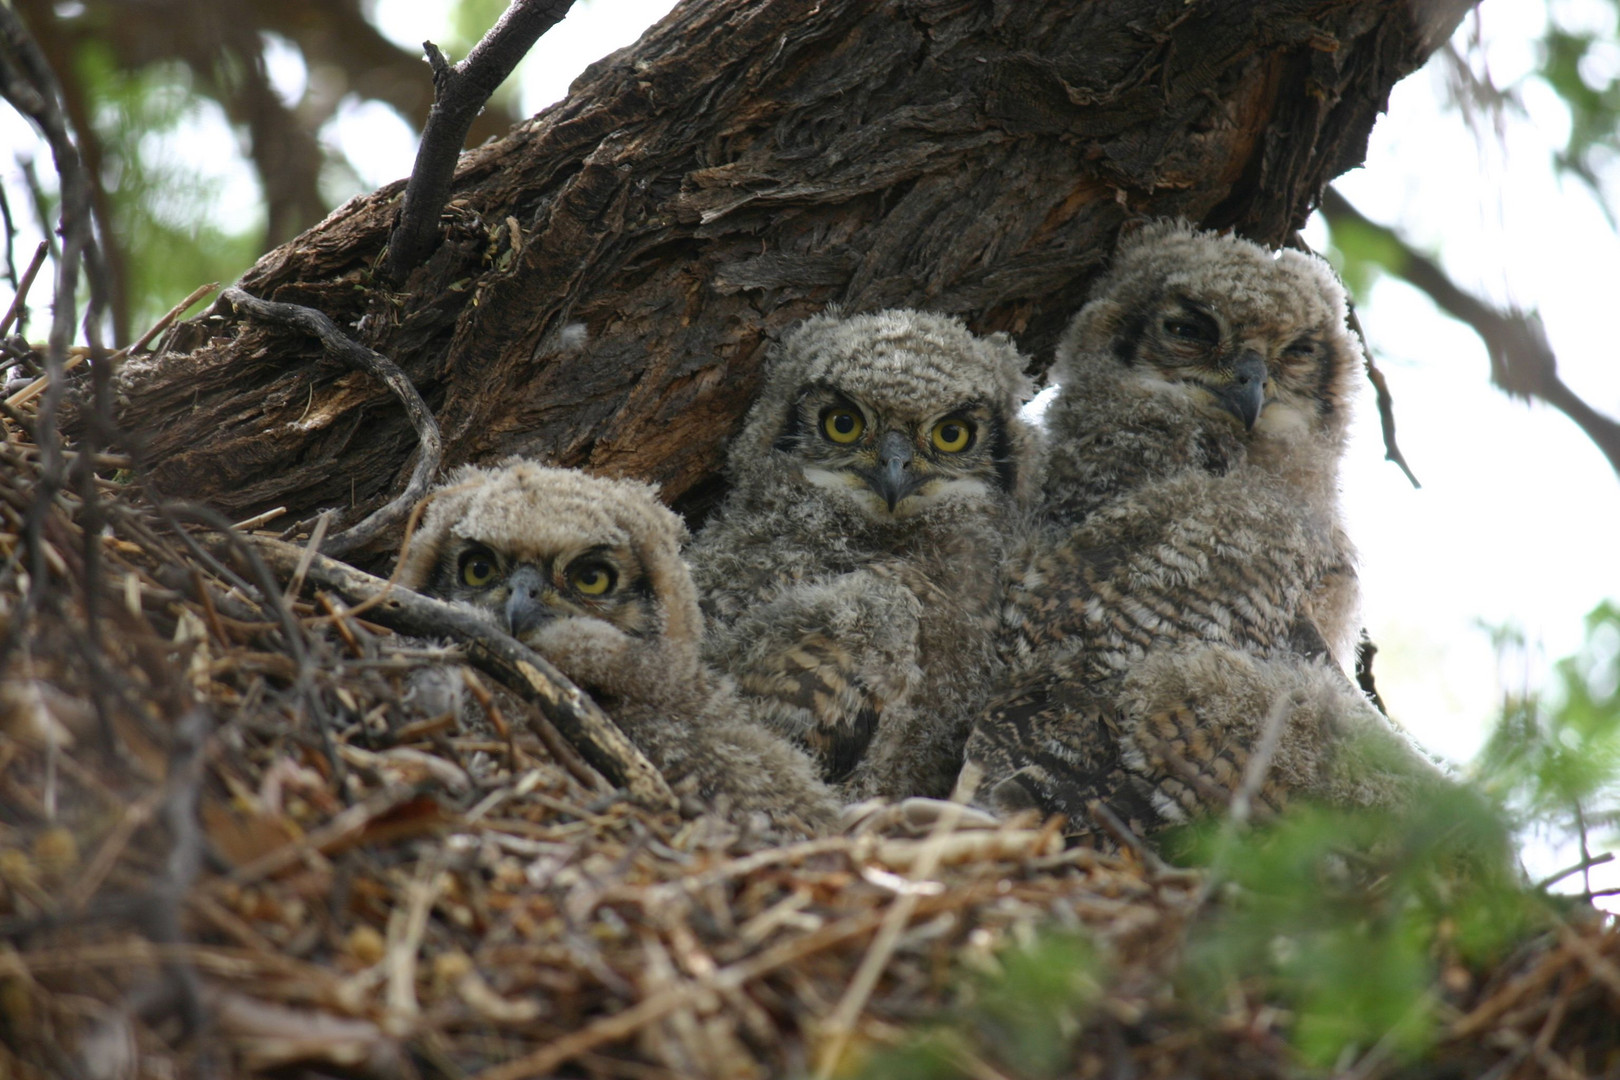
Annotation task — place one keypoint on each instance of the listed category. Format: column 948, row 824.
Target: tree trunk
column 745, row 164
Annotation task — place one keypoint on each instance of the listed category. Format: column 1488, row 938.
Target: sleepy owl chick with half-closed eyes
column 1193, row 582
column 587, row 572
column 852, row 576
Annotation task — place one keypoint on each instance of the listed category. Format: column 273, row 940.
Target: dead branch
column 579, row 719
column 20, row 300
column 459, row 93
column 1386, row 402
column 373, row 363
column 27, row 83
column 1522, row 361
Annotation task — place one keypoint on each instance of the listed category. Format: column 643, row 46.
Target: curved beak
column 1245, row 395
column 894, row 478
column 525, row 604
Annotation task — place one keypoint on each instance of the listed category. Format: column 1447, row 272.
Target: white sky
column 1519, row 516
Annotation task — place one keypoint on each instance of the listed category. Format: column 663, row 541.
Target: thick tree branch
column 579, row 719
column 745, row 164
column 459, row 93
column 1522, row 361
column 427, row 429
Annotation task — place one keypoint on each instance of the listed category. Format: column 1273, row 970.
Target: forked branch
column 459, row 92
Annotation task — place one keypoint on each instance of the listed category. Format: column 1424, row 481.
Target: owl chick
column 587, row 572
column 1194, row 565
column 852, row 576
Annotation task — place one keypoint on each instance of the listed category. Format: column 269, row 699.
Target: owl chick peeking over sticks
column 1193, row 583
column 852, row 576
column 587, row 572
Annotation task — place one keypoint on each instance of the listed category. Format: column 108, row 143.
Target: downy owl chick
column 851, row 577
column 1194, row 561
column 587, row 572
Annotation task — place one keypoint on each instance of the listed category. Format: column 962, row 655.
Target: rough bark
column 745, row 164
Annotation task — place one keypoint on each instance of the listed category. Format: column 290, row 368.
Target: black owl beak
column 1245, row 395
column 894, row 477
column 525, row 608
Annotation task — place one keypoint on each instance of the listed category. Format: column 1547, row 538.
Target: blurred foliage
column 155, row 188
column 1577, row 58
column 1356, row 927
column 1346, row 918
column 1360, row 253
column 1022, row 1012
column 1582, row 67
column 153, row 88
column 1554, row 758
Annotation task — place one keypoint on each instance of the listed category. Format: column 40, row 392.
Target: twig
column 271, row 598
column 373, row 363
column 579, row 719
column 26, row 81
column 841, row 1025
column 623, row 1024
column 1386, row 402
column 1599, row 967
column 336, row 832
column 459, row 92
column 20, row 301
column 406, row 927
column 1124, row 836
column 271, row 601
column 41, row 384
column 11, row 242
column 1259, row 763
column 168, row 320
column 1522, row 360
column 1365, row 652
column 1581, row 867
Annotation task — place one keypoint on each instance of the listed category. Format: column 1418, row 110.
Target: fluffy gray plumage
column 1194, row 577
column 851, row 577
column 587, row 571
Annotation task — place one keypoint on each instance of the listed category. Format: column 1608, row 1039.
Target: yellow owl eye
column 478, row 568
column 842, row 425
column 593, row 579
column 952, row 436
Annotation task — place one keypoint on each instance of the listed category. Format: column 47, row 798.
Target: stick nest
column 236, row 838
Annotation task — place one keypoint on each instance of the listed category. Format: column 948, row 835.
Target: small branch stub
column 460, row 91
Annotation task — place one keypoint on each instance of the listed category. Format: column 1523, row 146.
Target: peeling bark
column 745, row 164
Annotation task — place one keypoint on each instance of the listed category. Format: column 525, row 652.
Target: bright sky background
column 1518, row 520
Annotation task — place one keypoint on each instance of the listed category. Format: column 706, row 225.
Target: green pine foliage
column 1554, row 758
column 1023, row 1012
column 1344, row 918
column 1346, row 923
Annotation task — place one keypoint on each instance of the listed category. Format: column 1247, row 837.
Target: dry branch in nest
column 290, row 849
